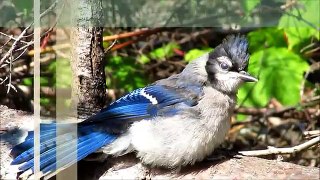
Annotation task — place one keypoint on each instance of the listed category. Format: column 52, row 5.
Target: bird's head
column 227, row 65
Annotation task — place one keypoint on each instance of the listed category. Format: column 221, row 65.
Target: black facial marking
column 211, row 69
column 233, row 47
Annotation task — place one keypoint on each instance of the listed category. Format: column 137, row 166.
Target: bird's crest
column 236, row 48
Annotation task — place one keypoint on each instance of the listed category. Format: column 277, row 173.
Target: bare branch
column 311, row 133
column 110, row 47
column 274, row 150
column 53, row 5
column 195, row 35
column 50, row 29
column 133, row 34
column 22, row 53
column 14, row 44
column 9, row 85
column 3, row 80
column 8, row 58
column 12, row 38
column 289, row 4
column 5, row 44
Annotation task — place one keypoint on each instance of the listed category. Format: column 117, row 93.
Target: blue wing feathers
column 136, row 105
column 44, row 146
column 49, row 156
column 47, row 131
column 143, row 103
column 85, row 148
column 89, row 140
column 24, row 151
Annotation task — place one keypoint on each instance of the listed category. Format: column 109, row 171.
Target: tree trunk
column 87, row 55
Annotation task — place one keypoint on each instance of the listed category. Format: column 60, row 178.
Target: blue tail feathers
column 54, row 156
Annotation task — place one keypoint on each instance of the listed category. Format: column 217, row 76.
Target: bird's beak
column 247, row 77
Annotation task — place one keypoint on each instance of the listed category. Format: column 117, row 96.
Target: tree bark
column 87, row 55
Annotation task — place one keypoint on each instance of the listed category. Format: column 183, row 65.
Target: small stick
column 274, row 150
column 111, row 46
column 312, row 133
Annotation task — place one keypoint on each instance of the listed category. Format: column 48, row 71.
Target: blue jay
column 171, row 123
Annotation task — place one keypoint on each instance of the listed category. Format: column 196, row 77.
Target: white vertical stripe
column 36, row 92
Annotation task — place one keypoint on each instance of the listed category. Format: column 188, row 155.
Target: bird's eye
column 224, row 66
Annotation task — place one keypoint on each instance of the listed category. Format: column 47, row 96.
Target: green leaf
column 27, row 81
column 265, row 38
column 105, row 44
column 241, row 117
column 23, row 6
column 249, row 5
column 116, row 60
column 143, row 59
column 44, row 81
column 61, row 73
column 298, row 37
column 195, row 53
column 280, row 74
column 126, row 74
column 164, row 52
column 305, row 15
column 45, row 101
column 301, row 23
column 161, row 53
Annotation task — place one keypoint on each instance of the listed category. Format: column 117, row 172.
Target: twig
column 174, row 12
column 290, row 112
column 143, row 34
column 27, row 44
column 53, row 5
column 272, row 9
column 288, row 5
column 12, row 38
column 132, row 34
column 3, row 80
column 22, row 53
column 4, row 44
column 51, row 48
column 274, row 150
column 110, row 47
column 127, row 43
column 251, row 111
column 309, row 46
column 265, row 112
column 195, row 35
column 9, row 85
column 311, row 133
column 44, row 61
column 312, row 51
column 14, row 44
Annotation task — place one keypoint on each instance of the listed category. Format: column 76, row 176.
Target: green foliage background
column 276, row 59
